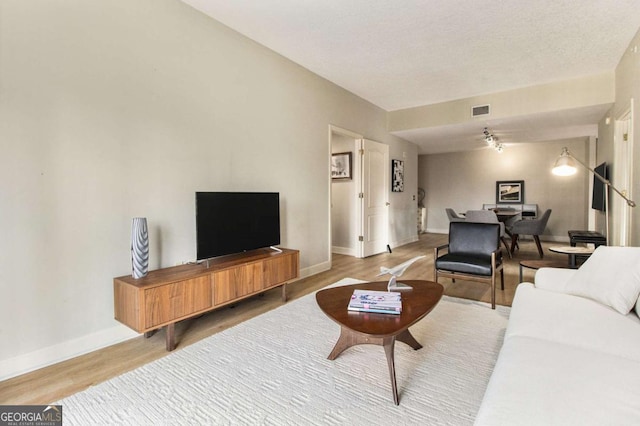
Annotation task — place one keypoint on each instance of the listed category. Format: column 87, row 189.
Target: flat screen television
column 599, row 188
column 234, row 222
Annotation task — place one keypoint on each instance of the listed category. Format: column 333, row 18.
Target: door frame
column 622, row 176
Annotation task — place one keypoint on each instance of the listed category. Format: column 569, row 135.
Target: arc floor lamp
column 565, row 166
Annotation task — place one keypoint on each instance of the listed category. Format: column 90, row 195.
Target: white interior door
column 622, row 179
column 374, row 158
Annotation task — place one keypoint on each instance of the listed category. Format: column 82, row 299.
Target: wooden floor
column 66, row 378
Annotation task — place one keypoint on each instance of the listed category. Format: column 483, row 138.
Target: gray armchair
column 534, row 227
column 488, row 216
column 473, row 253
column 453, row 216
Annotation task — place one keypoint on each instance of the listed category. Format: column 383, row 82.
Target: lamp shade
column 564, row 166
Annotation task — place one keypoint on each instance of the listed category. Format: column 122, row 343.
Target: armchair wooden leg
column 435, row 269
column 502, row 278
column 493, row 291
column 537, row 240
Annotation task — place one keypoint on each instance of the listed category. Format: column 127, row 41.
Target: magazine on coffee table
column 383, row 302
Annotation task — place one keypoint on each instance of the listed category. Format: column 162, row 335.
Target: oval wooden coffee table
column 358, row 328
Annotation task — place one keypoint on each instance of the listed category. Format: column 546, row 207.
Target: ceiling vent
column 480, row 110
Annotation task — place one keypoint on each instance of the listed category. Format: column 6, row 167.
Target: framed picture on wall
column 341, row 166
column 510, row 192
column 397, row 176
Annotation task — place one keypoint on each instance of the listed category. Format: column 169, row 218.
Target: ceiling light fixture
column 492, row 141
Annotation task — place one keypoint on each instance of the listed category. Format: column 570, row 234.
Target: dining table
column 504, row 216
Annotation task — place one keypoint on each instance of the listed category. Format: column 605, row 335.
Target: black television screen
column 233, row 222
column 599, row 188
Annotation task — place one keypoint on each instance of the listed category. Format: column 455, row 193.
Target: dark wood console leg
column 150, row 333
column 284, row 292
column 170, row 337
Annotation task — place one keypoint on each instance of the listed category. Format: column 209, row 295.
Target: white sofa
column 571, row 354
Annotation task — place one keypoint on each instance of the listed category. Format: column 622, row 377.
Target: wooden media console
column 166, row 296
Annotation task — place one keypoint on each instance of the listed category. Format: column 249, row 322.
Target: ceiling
column 402, row 54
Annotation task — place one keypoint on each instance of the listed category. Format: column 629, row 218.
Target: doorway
column 358, row 206
column 343, row 209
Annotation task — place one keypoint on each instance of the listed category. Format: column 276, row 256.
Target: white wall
column 466, row 180
column 116, row 109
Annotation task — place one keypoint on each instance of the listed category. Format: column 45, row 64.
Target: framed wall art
column 397, row 176
column 341, row 165
column 510, row 192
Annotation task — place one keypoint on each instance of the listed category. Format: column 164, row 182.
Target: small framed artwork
column 510, row 192
column 397, row 176
column 341, row 165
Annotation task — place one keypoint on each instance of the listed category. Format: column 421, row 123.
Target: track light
column 492, row 141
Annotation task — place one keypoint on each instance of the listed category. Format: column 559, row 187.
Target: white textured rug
column 273, row 370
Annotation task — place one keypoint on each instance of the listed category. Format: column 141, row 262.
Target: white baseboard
column 343, row 250
column 555, row 238
column 545, row 238
column 408, row 240
column 315, row 269
column 352, row 251
column 548, row 238
column 63, row 351
column 438, row 230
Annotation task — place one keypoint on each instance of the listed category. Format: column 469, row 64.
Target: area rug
column 273, row 370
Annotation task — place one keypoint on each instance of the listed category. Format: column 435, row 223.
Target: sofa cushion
column 553, row 279
column 610, row 276
column 538, row 382
column 574, row 321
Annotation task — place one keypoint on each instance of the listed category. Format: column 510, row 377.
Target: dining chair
column 473, row 253
column 534, row 227
column 488, row 216
column 453, row 216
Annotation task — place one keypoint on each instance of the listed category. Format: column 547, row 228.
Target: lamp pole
column 607, row 182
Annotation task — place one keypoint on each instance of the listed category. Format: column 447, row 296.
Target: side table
column 537, row 264
column 572, row 252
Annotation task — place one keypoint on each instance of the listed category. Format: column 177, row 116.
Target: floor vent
column 480, row 110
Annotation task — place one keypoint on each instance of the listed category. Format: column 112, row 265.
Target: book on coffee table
column 383, row 302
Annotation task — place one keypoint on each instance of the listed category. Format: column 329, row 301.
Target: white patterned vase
column 139, row 247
